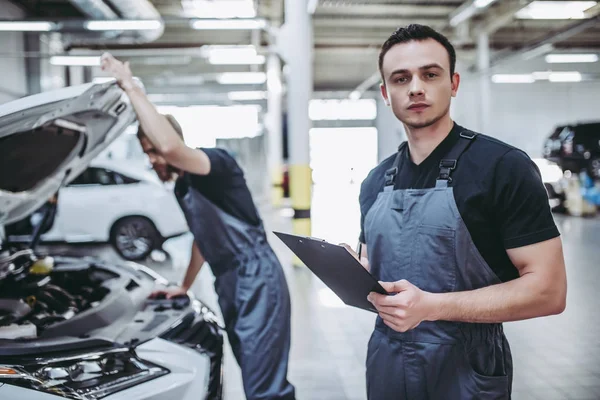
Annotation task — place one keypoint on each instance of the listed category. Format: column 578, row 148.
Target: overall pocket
column 433, row 260
column 487, row 369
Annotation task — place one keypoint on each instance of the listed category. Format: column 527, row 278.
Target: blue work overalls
column 419, row 235
column 252, row 290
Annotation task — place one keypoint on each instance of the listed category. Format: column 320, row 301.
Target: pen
column 359, row 249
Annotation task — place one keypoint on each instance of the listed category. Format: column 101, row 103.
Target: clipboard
column 336, row 268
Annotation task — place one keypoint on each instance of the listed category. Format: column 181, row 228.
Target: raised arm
column 155, row 125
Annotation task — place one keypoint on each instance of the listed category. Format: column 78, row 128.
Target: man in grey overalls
column 457, row 227
column 229, row 235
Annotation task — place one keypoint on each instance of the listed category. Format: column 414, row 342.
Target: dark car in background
column 575, row 148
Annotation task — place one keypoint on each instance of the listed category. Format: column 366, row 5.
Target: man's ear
column 384, row 94
column 455, row 83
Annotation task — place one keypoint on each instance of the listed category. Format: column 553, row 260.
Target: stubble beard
column 429, row 122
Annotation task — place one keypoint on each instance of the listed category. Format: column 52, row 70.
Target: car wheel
column 134, row 238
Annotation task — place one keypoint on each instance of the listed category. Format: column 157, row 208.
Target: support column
column 300, row 86
column 485, row 95
column 33, row 66
column 52, row 76
column 274, row 125
column 76, row 75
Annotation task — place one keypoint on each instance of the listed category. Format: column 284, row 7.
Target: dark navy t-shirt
column 498, row 190
column 225, row 186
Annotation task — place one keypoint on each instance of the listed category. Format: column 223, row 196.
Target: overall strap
column 448, row 163
column 390, row 174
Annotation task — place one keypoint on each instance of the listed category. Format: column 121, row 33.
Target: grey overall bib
column 419, row 235
column 252, row 289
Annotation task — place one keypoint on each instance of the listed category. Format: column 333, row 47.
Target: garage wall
column 14, row 81
column 525, row 114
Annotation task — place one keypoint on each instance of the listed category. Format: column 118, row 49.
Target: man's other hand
column 168, row 293
column 363, row 260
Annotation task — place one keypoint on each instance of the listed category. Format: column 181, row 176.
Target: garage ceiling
column 347, row 36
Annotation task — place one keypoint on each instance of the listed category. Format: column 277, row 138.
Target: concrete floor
column 554, row 358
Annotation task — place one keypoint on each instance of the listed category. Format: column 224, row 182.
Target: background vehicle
column 552, row 176
column 120, row 202
column 575, row 148
column 79, row 327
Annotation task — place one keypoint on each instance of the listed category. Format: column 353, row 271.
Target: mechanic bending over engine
column 229, row 235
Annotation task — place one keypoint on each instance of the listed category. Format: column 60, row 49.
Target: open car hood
column 48, row 139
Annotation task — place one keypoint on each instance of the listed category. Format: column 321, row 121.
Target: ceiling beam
column 501, row 16
column 387, row 10
column 468, row 10
column 373, row 23
column 545, row 44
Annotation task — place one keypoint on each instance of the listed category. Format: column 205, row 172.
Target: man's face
column 417, row 83
column 159, row 164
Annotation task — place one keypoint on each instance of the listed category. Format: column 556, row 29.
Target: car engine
column 36, row 294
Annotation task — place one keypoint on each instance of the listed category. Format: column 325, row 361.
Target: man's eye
column 401, row 80
column 431, row 75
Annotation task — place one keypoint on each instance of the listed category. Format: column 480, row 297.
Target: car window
column 101, row 176
column 94, row 176
column 121, row 179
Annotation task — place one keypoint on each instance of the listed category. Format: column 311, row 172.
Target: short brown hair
column 417, row 32
column 172, row 121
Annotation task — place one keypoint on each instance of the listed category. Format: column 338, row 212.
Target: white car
column 79, row 327
column 120, row 202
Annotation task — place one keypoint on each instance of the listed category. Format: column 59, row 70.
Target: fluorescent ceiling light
column 235, row 60
column 92, row 61
column 24, row 26
column 248, row 95
column 555, row 10
column 565, row 77
column 242, row 78
column 570, row 76
column 513, row 78
column 123, row 25
column 233, row 55
column 219, row 9
column 167, row 60
column 571, row 58
column 217, row 24
column 482, row 3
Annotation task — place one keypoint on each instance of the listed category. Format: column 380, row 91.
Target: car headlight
column 92, row 376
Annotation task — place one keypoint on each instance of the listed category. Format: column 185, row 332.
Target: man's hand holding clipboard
column 405, row 307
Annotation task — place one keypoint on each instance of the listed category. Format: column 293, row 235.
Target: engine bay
column 37, row 293
column 48, row 302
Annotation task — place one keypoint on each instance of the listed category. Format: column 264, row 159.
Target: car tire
column 134, row 238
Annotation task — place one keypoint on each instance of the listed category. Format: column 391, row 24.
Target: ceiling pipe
column 123, row 9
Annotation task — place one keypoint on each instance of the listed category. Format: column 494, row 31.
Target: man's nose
column 416, row 88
